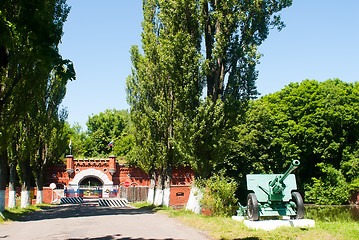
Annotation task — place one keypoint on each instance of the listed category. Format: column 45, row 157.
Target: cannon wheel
column 298, row 200
column 252, row 207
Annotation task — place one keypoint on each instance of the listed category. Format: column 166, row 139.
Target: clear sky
column 320, row 41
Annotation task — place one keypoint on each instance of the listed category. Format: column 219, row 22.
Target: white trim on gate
column 91, row 173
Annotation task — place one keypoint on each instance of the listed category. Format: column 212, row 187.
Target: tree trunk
column 167, row 173
column 12, row 184
column 40, row 186
column 194, row 200
column 25, row 196
column 167, row 186
column 40, row 166
column 39, row 196
column 25, row 188
column 152, row 187
column 3, row 178
column 159, row 190
column 215, row 78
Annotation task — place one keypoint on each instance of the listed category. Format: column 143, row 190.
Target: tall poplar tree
column 169, row 115
column 49, row 121
column 232, row 31
column 30, row 34
column 164, row 87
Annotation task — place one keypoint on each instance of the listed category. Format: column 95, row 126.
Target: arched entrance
column 93, row 177
column 91, row 182
column 91, row 187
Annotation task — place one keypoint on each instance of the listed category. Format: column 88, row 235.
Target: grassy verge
column 226, row 228
column 14, row 214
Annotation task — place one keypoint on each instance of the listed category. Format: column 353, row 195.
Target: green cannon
column 273, row 195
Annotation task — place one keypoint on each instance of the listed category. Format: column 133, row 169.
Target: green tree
column 232, row 32
column 77, row 137
column 30, row 34
column 102, row 129
column 165, row 86
column 117, row 126
column 314, row 122
column 330, row 188
column 50, row 137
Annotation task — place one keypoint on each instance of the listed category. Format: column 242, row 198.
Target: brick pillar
column 70, row 165
column 112, row 164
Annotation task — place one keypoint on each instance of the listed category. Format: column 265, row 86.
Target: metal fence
column 133, row 193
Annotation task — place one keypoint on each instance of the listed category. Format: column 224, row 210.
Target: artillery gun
column 273, row 195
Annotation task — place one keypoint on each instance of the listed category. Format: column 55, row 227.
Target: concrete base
column 273, row 224
column 239, row 218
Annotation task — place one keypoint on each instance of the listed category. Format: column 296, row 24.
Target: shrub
column 219, row 194
column 331, row 188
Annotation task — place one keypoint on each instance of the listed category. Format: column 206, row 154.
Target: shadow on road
column 80, row 210
column 118, row 237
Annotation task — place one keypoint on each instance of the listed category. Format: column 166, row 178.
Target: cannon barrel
column 279, row 180
column 294, row 165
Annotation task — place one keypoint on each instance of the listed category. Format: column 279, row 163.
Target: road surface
column 89, row 221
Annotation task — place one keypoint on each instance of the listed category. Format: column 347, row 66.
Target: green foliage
column 232, row 31
column 166, row 84
column 354, row 185
column 164, row 87
column 124, row 145
column 331, row 188
column 102, row 129
column 33, row 77
column 78, row 139
column 219, row 196
column 109, row 125
column 310, row 121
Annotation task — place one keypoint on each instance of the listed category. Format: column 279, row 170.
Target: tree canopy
column 175, row 121
column 314, row 122
column 110, row 125
column 33, row 77
column 176, row 62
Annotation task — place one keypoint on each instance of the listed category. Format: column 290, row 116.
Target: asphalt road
column 88, row 221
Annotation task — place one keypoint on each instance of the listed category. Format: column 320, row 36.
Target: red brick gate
column 113, row 176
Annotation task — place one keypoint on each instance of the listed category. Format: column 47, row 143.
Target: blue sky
column 320, row 41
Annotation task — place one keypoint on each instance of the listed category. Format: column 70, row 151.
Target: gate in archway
column 90, row 187
column 91, row 183
column 90, row 192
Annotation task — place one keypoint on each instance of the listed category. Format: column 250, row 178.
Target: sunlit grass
column 226, row 228
column 14, row 214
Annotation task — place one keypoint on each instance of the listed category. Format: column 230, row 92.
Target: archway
column 90, row 187
column 90, row 173
column 91, row 182
column 95, row 176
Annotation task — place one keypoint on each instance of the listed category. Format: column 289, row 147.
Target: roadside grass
column 14, row 214
column 226, row 228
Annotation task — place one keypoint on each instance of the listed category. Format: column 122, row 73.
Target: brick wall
column 135, row 176
column 179, row 195
column 48, row 195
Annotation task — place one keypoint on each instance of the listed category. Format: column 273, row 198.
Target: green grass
column 226, row 228
column 14, row 214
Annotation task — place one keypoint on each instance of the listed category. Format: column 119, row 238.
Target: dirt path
column 100, row 223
